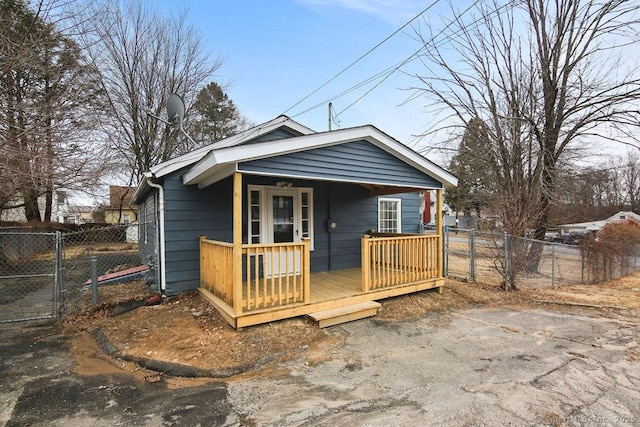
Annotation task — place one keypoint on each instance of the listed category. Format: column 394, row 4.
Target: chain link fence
column 30, row 275
column 95, row 258
column 44, row 274
column 501, row 259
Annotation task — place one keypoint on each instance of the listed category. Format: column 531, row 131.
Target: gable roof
column 255, row 132
column 597, row 225
column 220, row 163
column 196, row 155
column 217, row 161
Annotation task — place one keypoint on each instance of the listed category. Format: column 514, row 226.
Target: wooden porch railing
column 216, row 268
column 276, row 274
column 273, row 275
column 390, row 260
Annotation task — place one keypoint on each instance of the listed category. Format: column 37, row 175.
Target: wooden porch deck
column 329, row 290
column 334, row 285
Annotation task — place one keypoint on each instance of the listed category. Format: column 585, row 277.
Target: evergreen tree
column 216, row 115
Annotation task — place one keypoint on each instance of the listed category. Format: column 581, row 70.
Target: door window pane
column 282, row 219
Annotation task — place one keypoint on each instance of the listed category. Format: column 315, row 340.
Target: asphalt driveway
column 472, row 367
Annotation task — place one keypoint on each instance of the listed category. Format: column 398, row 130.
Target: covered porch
column 253, row 283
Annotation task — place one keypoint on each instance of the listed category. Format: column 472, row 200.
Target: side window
column 254, row 214
column 389, row 214
column 306, row 214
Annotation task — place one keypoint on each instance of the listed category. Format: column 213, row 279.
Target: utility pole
column 330, row 106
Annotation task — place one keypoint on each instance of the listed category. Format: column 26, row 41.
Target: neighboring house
column 280, row 221
column 595, row 226
column 121, row 210
column 59, row 209
column 429, row 211
column 77, row 214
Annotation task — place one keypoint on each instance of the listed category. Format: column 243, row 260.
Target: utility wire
column 410, row 58
column 390, row 70
column 361, row 57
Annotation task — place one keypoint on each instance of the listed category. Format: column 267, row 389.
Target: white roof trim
column 179, row 162
column 213, row 161
column 597, row 225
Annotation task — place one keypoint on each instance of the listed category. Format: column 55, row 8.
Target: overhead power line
column 386, row 73
column 361, row 57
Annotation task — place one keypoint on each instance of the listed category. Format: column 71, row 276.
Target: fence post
column 445, row 252
column 505, row 247
column 553, row 266
column 57, row 291
column 94, row 279
column 472, row 256
column 582, row 265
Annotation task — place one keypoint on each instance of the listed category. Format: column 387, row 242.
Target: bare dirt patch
column 188, row 331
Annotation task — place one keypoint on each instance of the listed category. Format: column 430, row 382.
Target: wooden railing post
column 203, row 269
column 306, row 270
column 237, row 243
column 366, row 263
column 439, row 225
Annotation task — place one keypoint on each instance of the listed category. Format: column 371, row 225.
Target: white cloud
column 394, row 11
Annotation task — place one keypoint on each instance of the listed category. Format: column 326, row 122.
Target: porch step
column 339, row 315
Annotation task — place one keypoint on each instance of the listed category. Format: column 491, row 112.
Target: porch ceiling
column 381, row 190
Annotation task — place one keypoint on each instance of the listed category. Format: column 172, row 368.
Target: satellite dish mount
column 175, row 113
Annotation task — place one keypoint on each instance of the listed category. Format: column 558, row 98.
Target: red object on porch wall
column 426, row 213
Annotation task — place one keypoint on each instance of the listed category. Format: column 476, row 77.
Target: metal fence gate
column 31, row 275
column 43, row 275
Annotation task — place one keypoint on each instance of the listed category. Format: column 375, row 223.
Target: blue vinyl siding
column 281, row 133
column 358, row 161
column 191, row 212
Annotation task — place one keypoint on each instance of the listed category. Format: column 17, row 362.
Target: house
column 79, row 214
column 121, row 210
column 429, row 211
column 280, row 221
column 595, row 226
column 59, row 208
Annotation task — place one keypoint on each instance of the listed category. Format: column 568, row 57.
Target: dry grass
column 187, row 330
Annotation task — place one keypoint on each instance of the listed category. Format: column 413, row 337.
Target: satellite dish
column 175, row 110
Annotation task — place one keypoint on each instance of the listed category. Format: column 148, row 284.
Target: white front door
column 283, row 226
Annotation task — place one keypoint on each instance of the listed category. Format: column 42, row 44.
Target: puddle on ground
column 91, row 360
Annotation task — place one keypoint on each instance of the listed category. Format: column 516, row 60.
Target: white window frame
column 398, row 203
column 261, row 213
column 266, row 216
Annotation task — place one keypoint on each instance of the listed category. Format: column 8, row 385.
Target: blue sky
column 277, row 52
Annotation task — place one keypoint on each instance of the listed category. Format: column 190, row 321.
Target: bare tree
column 143, row 58
column 545, row 77
column 46, row 92
column 631, row 180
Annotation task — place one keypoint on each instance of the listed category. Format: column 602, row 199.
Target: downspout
column 163, row 274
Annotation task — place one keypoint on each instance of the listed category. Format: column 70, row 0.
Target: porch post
column 439, row 229
column 237, row 242
column 365, row 263
column 306, row 269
